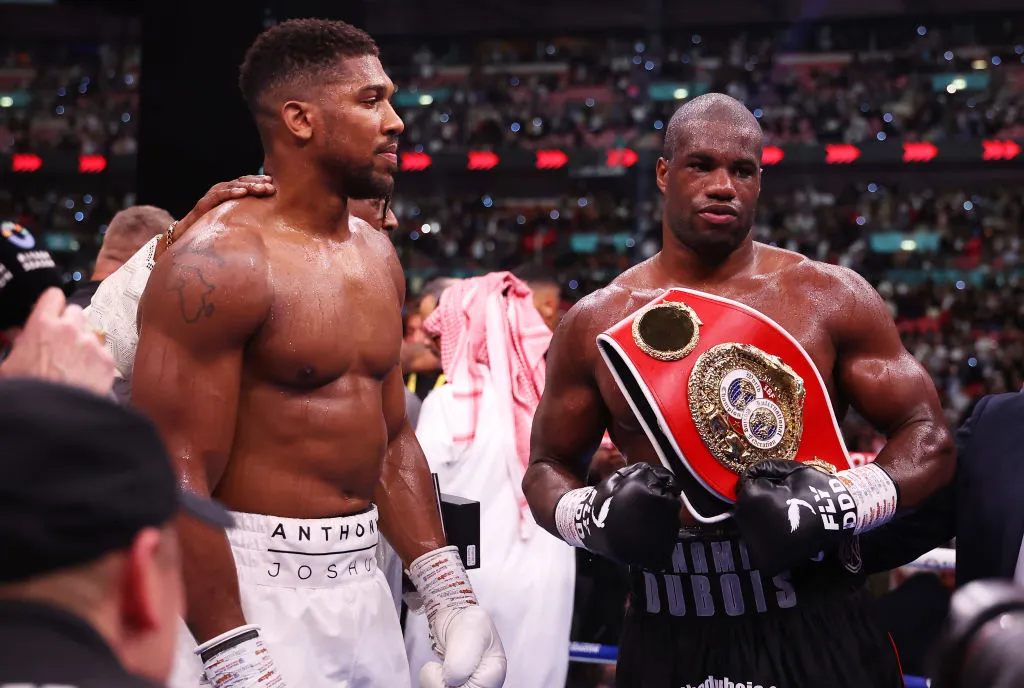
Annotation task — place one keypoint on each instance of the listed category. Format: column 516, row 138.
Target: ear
column 142, row 582
column 661, row 173
column 298, row 118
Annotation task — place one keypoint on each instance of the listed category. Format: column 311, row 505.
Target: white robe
column 526, row 586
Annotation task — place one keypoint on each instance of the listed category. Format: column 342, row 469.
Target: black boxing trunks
column 713, row 622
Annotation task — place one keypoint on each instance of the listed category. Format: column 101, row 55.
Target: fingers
column 431, row 676
column 465, row 645
column 75, row 317
column 50, row 304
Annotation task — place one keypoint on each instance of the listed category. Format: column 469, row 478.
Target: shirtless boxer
column 713, row 614
column 268, row 357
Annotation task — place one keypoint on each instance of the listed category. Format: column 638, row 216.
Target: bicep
column 878, row 376
column 572, row 417
column 199, row 311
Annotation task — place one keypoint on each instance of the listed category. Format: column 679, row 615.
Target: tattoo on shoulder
column 193, row 293
column 204, row 250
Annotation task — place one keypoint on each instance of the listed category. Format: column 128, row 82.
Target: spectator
column 92, row 594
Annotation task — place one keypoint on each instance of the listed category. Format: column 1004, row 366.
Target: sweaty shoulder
column 216, row 277
column 383, row 250
column 839, row 293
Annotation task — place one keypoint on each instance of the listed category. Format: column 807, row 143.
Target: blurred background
column 894, row 132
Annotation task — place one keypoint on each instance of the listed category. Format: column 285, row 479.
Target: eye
column 700, row 166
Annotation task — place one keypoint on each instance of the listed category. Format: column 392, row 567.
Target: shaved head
column 710, row 107
column 710, row 175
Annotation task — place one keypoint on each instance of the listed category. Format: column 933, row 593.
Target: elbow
column 941, row 456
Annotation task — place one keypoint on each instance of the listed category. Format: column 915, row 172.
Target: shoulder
column 994, row 406
column 217, row 274
column 836, row 281
column 231, row 236
column 379, row 243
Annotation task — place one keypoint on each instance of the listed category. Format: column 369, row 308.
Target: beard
column 362, row 182
column 713, row 247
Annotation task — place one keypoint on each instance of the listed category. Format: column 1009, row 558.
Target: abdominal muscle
column 306, row 453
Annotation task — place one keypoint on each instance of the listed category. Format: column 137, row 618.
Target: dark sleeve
column 82, row 296
column 933, row 524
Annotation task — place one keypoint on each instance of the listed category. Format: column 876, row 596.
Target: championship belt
column 719, row 387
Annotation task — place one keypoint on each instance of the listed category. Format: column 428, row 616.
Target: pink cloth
column 491, row 332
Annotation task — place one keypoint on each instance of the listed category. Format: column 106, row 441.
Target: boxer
column 703, row 608
column 268, row 356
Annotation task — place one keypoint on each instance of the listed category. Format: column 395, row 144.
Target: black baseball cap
column 80, row 476
column 26, row 271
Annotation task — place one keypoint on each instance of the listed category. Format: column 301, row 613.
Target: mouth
column 718, row 214
column 389, row 153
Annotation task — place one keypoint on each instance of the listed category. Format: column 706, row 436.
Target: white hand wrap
column 572, row 510
column 239, row 659
column 874, row 493
column 462, row 634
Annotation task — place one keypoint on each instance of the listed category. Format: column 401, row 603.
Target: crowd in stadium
column 70, row 99
column 598, row 92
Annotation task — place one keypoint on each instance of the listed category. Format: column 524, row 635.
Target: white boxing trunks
column 326, row 612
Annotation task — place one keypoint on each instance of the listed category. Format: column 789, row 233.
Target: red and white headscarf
column 491, row 331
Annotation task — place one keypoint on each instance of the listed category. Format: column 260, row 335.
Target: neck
column 685, row 264
column 306, row 197
column 75, row 596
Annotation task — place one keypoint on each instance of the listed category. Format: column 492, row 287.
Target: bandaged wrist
column 571, row 511
column 874, row 493
column 441, row 580
column 239, row 659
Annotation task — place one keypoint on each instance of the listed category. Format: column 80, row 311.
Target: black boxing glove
column 789, row 512
column 630, row 517
column 981, row 641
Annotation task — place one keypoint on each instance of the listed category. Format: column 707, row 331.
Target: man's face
column 414, row 328
column 373, row 212
column 547, row 299
column 359, row 140
column 711, row 186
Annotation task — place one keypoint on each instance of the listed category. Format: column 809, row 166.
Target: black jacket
column 41, row 645
column 82, row 296
column 983, row 507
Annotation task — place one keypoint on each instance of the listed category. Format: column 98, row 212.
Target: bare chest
column 332, row 316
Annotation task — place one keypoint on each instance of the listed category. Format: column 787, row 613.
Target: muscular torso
column 783, row 286
column 312, row 420
column 311, row 431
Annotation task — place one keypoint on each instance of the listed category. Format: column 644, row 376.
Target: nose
column 392, row 124
column 720, row 186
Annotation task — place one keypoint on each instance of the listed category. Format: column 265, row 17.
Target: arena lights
column 772, row 155
column 841, row 153
column 415, row 162
column 1000, row 150
column 551, row 159
column 91, row 164
column 620, row 157
column 919, row 152
column 481, row 160
column 25, row 162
